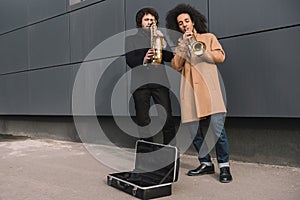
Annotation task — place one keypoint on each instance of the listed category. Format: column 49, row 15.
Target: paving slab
column 43, row 169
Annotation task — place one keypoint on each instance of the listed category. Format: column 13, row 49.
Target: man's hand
column 148, row 56
column 159, row 33
column 183, row 43
column 187, row 34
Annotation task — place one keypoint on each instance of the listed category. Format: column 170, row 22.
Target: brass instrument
column 197, row 47
column 156, row 45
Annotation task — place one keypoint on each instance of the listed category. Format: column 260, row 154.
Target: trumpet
column 156, row 45
column 197, row 47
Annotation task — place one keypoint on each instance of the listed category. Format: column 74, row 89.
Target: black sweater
column 136, row 48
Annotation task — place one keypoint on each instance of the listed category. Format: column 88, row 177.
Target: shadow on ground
column 11, row 138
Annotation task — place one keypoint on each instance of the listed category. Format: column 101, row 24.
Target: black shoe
column 202, row 169
column 225, row 176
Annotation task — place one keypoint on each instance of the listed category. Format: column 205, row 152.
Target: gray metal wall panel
column 233, row 17
column 14, row 95
column 17, row 13
column 49, row 91
column 106, row 86
column 2, row 95
column 261, row 74
column 162, row 7
column 93, row 24
column 49, row 42
column 108, row 76
column 42, row 9
column 76, row 4
column 14, row 51
column 13, row 14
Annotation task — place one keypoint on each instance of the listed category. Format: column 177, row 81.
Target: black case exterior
column 143, row 183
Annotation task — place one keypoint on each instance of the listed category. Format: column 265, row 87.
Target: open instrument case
column 156, row 168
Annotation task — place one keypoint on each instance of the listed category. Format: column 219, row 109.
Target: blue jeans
column 215, row 137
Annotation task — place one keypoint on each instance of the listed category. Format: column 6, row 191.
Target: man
column 205, row 99
column 138, row 57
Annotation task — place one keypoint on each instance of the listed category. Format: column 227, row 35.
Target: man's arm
column 134, row 57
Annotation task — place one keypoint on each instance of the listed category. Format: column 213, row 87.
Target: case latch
column 134, row 189
column 109, row 179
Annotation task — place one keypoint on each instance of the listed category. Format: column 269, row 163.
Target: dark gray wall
column 35, row 53
column 43, row 42
column 261, row 39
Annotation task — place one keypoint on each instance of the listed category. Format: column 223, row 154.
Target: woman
column 200, row 91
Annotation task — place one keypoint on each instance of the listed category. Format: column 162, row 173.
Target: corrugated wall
column 43, row 42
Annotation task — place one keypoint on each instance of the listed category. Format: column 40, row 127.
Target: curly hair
column 196, row 17
column 144, row 11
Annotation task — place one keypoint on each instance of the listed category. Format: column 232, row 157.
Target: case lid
column 158, row 160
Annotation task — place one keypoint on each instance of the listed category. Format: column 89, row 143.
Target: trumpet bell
column 198, row 48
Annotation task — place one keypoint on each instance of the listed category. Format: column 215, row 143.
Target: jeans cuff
column 206, row 163
column 226, row 164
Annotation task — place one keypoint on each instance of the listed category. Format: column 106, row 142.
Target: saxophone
column 156, row 45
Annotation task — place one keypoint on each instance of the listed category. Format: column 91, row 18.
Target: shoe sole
column 200, row 174
column 227, row 181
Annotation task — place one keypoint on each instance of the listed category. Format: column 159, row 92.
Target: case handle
column 122, row 185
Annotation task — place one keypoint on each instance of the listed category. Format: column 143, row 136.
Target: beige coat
column 200, row 92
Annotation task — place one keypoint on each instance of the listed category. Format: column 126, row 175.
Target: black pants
column 160, row 96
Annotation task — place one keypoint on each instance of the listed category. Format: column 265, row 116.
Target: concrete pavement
column 49, row 169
